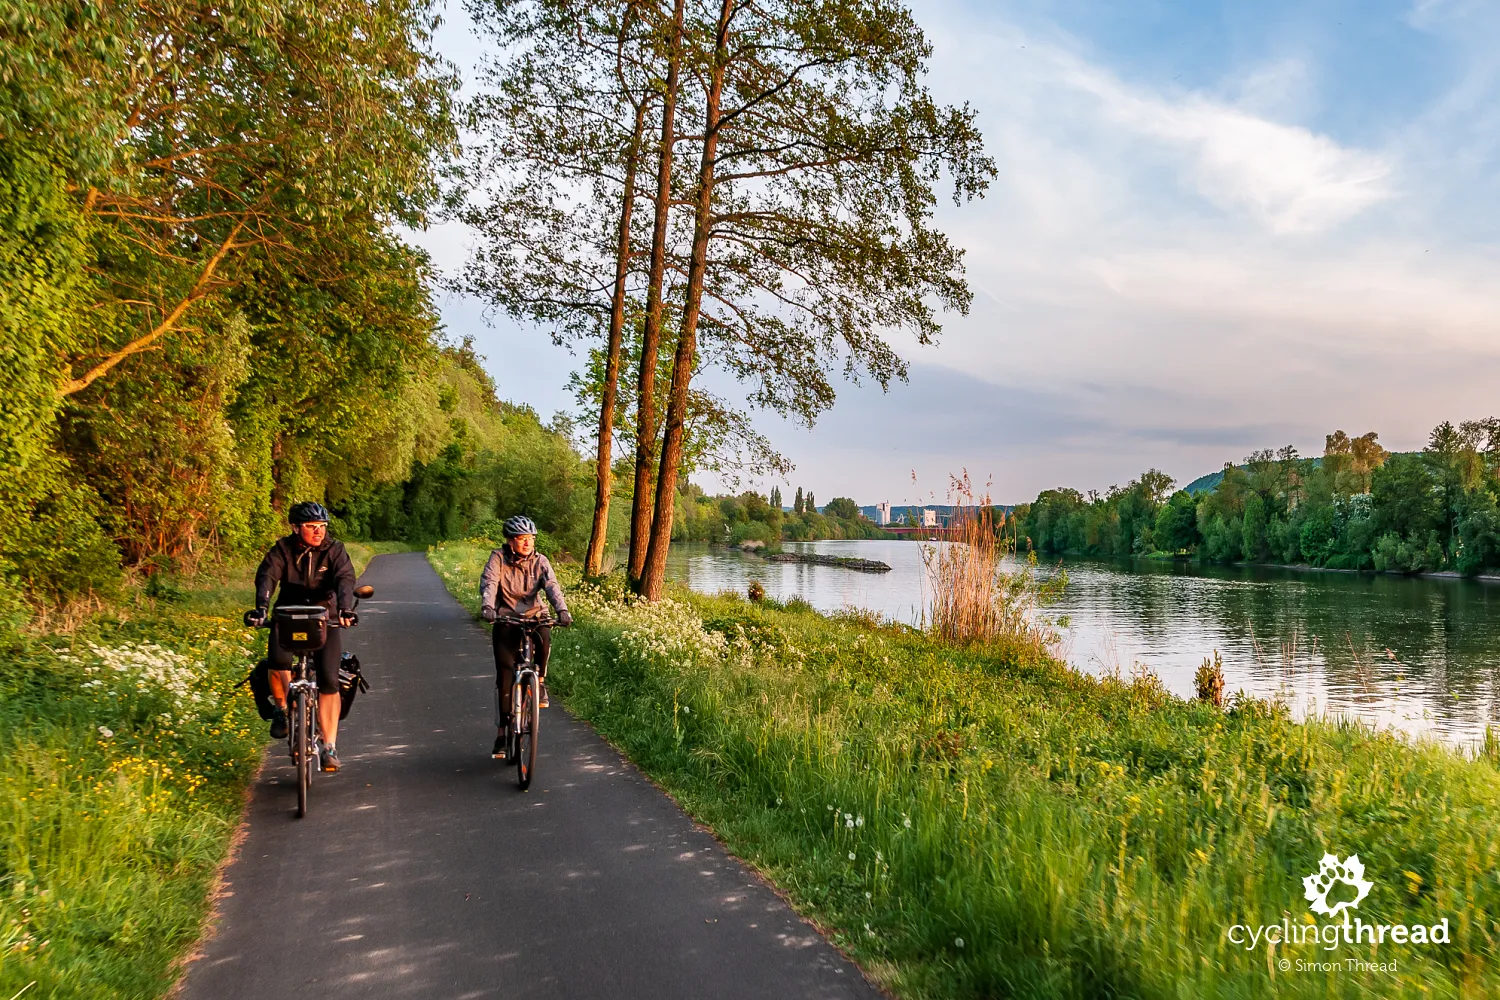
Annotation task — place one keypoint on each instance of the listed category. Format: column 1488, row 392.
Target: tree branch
column 142, row 343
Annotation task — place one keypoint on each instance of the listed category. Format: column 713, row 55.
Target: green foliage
column 202, row 308
column 500, row 461
column 843, row 508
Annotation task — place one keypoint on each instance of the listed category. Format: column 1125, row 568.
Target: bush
column 757, row 531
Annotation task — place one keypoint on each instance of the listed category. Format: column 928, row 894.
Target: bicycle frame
column 525, row 694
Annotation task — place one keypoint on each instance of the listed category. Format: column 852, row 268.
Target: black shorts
column 506, row 642
column 325, row 660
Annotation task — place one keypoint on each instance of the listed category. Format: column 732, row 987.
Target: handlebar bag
column 351, row 683
column 301, row 628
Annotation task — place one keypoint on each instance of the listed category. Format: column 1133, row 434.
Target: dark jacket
column 308, row 574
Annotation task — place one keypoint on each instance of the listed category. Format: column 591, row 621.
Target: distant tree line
column 1356, row 506
column 731, row 519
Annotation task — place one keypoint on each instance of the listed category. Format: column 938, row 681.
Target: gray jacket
column 514, row 583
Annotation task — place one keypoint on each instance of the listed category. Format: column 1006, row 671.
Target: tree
column 813, row 193
column 797, row 502
column 167, row 158
column 201, row 133
column 642, row 509
column 842, row 507
column 567, row 109
column 1177, row 524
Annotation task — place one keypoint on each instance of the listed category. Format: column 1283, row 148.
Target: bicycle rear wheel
column 302, row 720
column 528, row 725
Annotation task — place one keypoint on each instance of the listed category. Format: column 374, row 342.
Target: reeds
column 974, row 598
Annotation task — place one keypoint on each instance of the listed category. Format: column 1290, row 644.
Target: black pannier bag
column 301, row 628
column 351, row 683
column 259, row 680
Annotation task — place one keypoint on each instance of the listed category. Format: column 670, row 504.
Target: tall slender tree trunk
column 645, row 433
column 593, row 563
column 655, row 570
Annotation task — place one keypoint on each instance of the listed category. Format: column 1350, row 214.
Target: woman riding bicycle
column 512, row 583
column 311, row 569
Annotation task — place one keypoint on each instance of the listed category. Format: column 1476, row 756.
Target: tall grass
column 974, row 598
column 972, row 821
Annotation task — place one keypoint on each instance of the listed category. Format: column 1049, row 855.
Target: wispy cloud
column 1288, row 177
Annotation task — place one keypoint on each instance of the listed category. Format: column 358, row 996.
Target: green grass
column 118, row 799
column 984, row 823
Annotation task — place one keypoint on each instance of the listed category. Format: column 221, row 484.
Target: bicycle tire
column 304, row 753
column 528, row 732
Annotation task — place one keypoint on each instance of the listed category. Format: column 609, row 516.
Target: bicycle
column 303, row 629
column 525, row 700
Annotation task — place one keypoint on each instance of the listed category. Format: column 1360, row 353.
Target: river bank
column 986, row 822
column 125, row 749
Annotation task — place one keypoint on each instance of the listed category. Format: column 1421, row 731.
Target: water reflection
column 1416, row 654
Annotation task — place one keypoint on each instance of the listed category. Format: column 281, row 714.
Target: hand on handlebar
column 255, row 618
column 565, row 618
column 488, row 614
column 348, row 619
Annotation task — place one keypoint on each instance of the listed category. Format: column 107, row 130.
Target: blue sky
column 1216, row 227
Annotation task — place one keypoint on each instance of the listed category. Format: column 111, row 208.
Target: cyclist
column 513, row 580
column 311, row 569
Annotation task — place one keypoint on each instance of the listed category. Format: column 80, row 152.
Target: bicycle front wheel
column 528, row 726
column 302, row 720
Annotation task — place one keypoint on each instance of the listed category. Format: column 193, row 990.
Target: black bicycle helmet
column 307, row 510
column 519, row 525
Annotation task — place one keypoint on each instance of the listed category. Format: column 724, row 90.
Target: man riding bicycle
column 512, row 582
column 311, row 569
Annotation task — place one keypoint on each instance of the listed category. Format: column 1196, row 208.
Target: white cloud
column 1290, row 179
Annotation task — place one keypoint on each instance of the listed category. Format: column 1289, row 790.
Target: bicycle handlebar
column 334, row 622
column 524, row 621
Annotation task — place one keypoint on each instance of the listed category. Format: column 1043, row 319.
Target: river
column 1416, row 654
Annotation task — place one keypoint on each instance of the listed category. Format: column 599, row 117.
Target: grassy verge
column 980, row 823
column 125, row 748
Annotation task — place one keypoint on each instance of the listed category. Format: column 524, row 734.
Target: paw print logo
column 1331, row 871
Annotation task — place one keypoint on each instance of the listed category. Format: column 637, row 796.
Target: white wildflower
column 906, row 822
column 851, row 855
column 859, row 821
column 106, row 732
column 958, row 942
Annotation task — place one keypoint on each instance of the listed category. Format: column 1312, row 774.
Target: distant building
column 883, row 513
column 929, row 518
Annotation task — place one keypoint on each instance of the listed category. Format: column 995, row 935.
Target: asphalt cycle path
column 421, row 871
